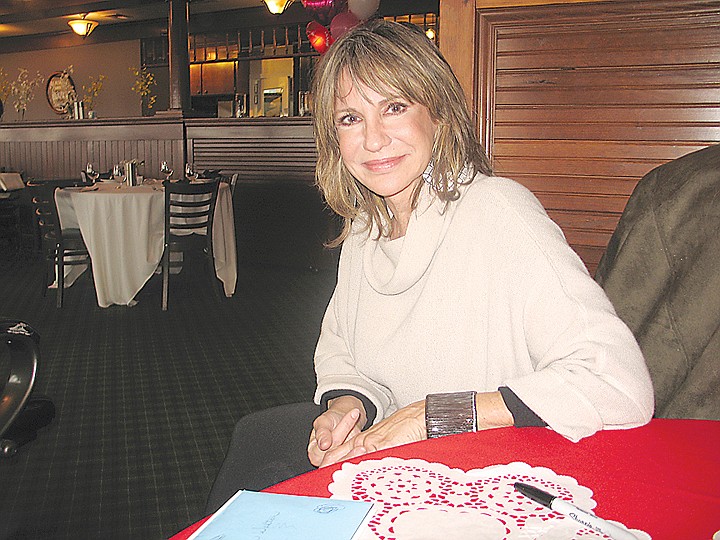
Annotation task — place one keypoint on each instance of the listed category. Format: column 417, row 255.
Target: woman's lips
column 381, row 165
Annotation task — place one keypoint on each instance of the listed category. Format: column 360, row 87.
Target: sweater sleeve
column 335, row 367
column 588, row 371
column 521, row 413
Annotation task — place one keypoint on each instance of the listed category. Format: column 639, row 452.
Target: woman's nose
column 376, row 136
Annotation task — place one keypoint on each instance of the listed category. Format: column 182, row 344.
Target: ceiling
column 33, row 17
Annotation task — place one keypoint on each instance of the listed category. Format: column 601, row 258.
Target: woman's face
column 385, row 143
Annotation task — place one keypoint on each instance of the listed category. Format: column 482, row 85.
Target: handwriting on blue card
column 251, row 515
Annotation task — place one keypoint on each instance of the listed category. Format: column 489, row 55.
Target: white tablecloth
column 10, row 181
column 123, row 228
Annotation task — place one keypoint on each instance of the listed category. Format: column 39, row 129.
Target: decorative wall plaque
column 60, row 87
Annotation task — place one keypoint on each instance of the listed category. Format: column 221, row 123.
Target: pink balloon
column 363, row 9
column 324, row 10
column 342, row 22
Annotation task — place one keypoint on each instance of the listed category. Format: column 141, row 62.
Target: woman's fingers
column 324, row 438
column 328, row 435
column 315, row 455
column 346, row 451
column 345, row 427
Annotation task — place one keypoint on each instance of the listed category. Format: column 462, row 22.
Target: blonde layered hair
column 395, row 60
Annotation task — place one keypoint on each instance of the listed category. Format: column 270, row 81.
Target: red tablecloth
column 662, row 478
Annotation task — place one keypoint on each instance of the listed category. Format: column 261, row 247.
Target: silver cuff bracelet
column 447, row 414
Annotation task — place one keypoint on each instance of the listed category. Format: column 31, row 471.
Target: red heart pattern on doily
column 419, row 500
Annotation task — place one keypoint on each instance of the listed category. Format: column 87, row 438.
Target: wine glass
column 118, row 172
column 166, row 170
column 190, row 173
column 91, row 173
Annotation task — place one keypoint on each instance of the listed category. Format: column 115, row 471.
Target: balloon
column 363, row 9
column 324, row 10
column 319, row 36
column 342, row 22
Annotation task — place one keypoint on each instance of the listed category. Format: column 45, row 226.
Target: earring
column 428, row 174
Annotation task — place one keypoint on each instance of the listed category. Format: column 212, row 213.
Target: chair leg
column 46, row 274
column 60, row 280
column 165, row 278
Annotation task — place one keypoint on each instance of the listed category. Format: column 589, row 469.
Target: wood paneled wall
column 579, row 101
column 59, row 150
column 258, row 149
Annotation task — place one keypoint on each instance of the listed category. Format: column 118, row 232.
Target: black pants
column 267, row 447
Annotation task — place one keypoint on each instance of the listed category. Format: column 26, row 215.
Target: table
column 123, row 228
column 11, row 181
column 662, row 478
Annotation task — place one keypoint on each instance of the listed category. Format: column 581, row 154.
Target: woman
column 459, row 305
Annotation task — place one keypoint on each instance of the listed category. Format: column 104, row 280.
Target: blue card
column 252, row 515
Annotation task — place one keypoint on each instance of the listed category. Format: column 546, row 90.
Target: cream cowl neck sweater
column 481, row 293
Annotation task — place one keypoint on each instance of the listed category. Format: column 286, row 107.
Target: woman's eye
column 347, row 120
column 397, row 108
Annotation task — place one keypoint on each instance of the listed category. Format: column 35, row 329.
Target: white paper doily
column 418, row 500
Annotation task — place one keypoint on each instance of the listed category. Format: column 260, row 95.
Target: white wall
column 113, row 60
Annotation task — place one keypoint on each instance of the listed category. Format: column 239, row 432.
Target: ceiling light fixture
column 276, row 7
column 82, row 27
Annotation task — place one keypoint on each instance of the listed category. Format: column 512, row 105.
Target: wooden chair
column 189, row 213
column 61, row 247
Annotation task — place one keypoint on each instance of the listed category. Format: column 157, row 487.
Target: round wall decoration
column 60, row 87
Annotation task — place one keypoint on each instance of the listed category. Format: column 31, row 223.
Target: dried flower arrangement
column 5, row 85
column 144, row 81
column 23, row 90
column 92, row 90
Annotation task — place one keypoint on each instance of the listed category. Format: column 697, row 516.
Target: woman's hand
column 408, row 425
column 404, row 426
column 342, row 422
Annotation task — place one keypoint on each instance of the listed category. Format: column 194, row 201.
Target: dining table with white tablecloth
column 11, row 181
column 123, row 228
